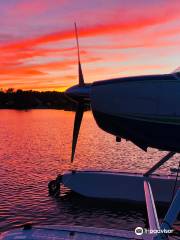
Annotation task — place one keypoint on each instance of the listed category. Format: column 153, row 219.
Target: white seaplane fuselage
column 142, row 109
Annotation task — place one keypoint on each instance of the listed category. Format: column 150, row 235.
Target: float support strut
column 158, row 164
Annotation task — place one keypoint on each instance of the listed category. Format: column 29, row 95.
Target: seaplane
column 144, row 110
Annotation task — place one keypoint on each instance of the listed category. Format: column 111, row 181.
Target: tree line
column 19, row 99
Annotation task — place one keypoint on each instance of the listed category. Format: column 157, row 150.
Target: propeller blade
column 77, row 124
column 81, row 78
column 80, row 104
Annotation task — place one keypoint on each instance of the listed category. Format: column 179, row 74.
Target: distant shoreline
column 26, row 100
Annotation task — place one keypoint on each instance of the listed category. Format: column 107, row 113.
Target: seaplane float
column 144, row 110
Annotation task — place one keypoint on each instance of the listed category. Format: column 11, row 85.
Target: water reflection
column 35, row 147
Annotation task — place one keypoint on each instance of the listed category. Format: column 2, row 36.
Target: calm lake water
column 36, row 146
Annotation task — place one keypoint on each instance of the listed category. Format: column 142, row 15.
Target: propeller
column 77, row 125
column 81, row 78
column 78, row 93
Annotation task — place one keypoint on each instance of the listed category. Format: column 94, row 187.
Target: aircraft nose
column 79, row 92
column 73, row 91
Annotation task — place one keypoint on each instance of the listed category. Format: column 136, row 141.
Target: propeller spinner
column 80, row 94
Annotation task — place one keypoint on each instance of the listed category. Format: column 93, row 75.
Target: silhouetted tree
column 10, row 90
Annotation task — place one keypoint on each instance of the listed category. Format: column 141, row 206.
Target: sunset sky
column 117, row 38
